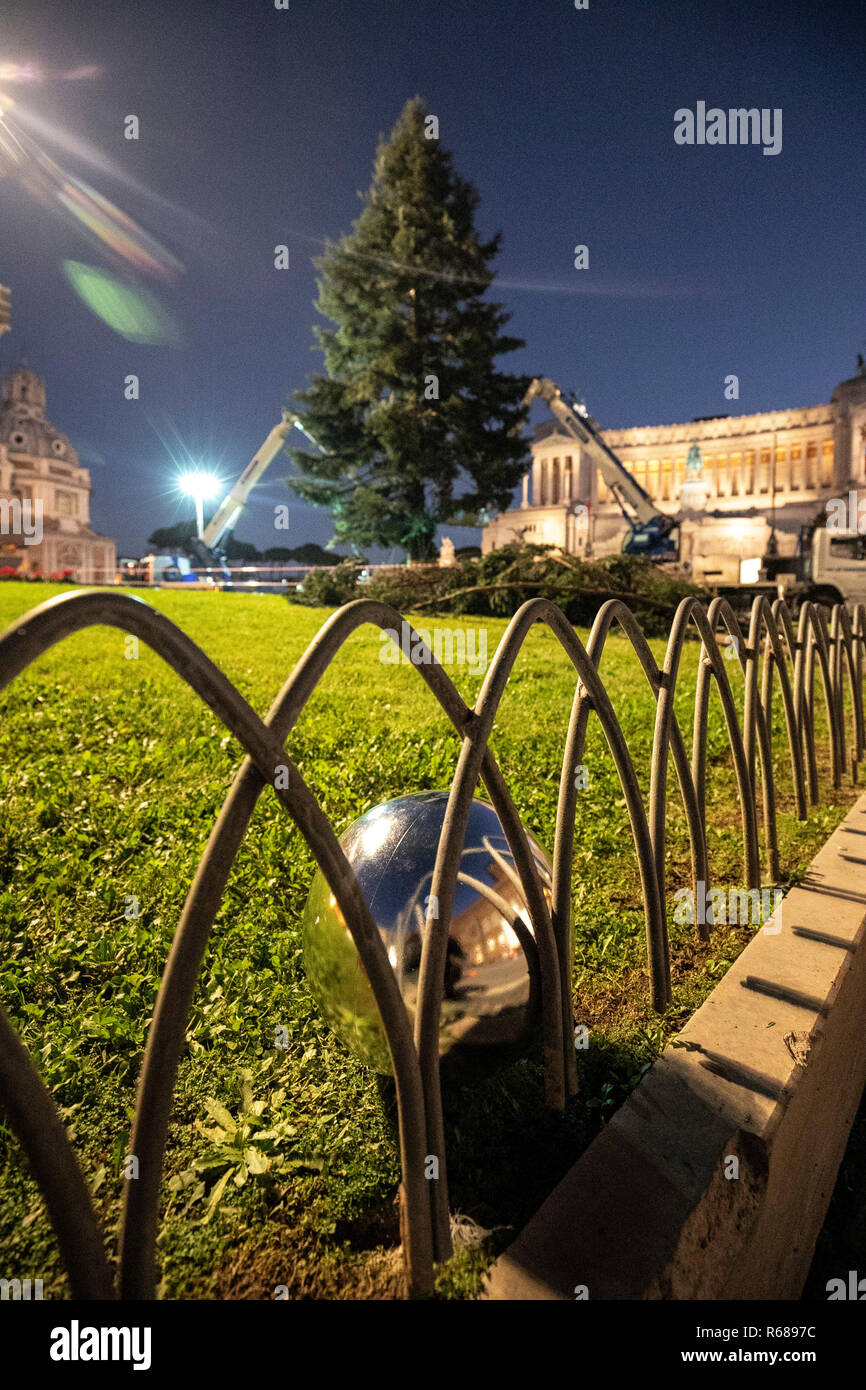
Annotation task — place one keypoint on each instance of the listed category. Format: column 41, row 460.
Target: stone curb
column 769, row 1071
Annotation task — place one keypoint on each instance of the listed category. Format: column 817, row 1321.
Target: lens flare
column 100, row 219
column 118, row 232
column 12, row 153
column 21, row 72
column 35, row 72
column 135, row 314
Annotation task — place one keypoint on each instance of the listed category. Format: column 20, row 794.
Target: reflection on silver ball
column 491, row 994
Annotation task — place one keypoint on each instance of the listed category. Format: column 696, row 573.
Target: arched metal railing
column 772, row 643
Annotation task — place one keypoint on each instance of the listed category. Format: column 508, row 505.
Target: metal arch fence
column 772, row 644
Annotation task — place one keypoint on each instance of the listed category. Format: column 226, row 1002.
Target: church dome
column 23, row 426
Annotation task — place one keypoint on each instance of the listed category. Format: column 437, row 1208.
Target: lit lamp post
column 199, row 486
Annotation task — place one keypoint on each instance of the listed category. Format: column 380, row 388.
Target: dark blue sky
column 259, row 126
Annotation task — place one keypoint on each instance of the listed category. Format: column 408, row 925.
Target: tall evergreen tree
column 415, row 421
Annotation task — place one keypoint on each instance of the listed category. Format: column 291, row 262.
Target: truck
column 828, row 565
column 208, row 549
column 158, row 569
column 649, row 532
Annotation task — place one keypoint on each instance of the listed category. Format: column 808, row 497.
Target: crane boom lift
column 649, row 529
column 206, row 548
column 233, row 503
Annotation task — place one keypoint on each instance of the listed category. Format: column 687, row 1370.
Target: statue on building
column 693, row 494
column 446, row 552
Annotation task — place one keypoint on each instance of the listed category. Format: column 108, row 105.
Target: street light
column 199, row 486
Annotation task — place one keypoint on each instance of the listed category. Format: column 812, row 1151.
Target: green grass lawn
column 112, row 775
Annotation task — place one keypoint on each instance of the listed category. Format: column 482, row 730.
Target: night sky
column 258, row 127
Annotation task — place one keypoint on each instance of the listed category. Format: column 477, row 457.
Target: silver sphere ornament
column 490, row 995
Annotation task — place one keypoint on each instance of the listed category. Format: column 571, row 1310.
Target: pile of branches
column 497, row 584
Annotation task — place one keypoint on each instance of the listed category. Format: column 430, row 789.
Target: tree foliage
column 416, row 423
column 496, row 585
column 310, row 553
column 168, row 540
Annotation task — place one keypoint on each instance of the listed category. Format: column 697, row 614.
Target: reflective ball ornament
column 490, row 996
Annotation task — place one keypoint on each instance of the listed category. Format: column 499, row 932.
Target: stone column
column 525, row 500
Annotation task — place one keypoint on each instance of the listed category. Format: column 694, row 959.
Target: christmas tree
column 416, row 425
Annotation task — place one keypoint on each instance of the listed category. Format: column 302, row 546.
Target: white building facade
column 773, row 471
column 45, row 493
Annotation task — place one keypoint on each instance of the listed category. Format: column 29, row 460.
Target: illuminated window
column 67, row 503
column 827, row 463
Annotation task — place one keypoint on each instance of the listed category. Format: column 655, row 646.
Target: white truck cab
column 837, row 561
column 829, row 567
column 166, row 569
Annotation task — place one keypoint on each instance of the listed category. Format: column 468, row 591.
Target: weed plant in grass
column 282, row 1164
